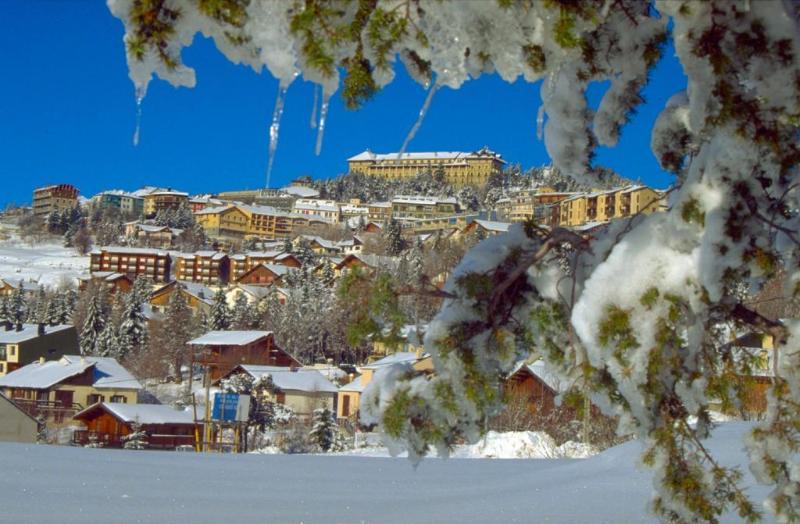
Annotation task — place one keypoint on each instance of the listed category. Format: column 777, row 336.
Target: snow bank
column 52, row 484
column 512, row 445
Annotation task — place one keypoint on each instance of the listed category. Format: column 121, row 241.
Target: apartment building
column 207, row 267
column 152, row 263
column 127, row 203
column 423, row 207
column 524, row 204
column 328, row 210
column 379, row 211
column 160, row 200
column 26, row 343
column 54, row 198
column 458, row 168
column 602, row 206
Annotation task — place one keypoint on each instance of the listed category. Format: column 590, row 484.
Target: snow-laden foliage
column 637, row 316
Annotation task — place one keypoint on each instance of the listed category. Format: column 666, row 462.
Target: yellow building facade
column 459, row 168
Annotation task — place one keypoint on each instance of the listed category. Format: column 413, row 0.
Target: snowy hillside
column 47, row 264
column 44, row 484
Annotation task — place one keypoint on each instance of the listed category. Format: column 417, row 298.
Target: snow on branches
column 637, row 316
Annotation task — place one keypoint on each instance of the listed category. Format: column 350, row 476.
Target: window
column 119, row 399
column 94, row 399
column 2, row 352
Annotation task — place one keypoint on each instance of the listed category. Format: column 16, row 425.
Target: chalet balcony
column 49, row 409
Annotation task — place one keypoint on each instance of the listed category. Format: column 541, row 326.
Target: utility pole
column 207, row 425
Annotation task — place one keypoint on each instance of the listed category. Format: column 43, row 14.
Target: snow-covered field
column 44, row 484
column 48, row 264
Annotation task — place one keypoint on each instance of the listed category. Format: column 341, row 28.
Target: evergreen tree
column 394, row 238
column 17, row 309
column 107, row 344
column 328, row 278
column 142, row 288
column 180, row 325
column 4, row 307
column 133, row 328
column 220, row 313
column 287, row 245
column 51, row 311
column 93, row 325
column 38, row 308
column 243, row 317
column 323, row 432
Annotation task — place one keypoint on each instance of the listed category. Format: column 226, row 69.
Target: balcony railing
column 49, row 409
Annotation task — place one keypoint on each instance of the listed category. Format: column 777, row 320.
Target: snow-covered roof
column 124, row 250
column 152, row 229
column 144, row 413
column 261, row 210
column 301, row 191
column 28, row 332
column 216, row 255
column 292, row 379
column 423, row 200
column 356, row 386
column 491, row 225
column 401, row 357
column 379, row 204
column 108, row 373
column 434, row 155
column 168, row 192
column 316, row 205
column 108, row 276
column 229, row 338
column 214, row 210
column 544, row 372
column 327, row 244
column 24, row 284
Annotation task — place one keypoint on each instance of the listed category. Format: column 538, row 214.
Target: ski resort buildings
column 152, row 263
column 221, row 351
column 54, row 198
column 458, row 168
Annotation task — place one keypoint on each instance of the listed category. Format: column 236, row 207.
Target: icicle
column 274, row 128
column 422, row 112
column 313, row 121
column 139, row 100
column 323, row 114
column 540, row 122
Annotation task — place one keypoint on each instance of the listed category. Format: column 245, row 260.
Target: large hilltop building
column 459, row 168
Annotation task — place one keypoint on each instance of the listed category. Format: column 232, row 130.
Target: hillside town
column 290, row 298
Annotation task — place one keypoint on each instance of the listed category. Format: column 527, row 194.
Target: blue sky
column 67, row 114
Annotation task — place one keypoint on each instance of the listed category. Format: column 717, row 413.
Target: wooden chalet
column 198, row 296
column 8, row 287
column 114, row 282
column 263, row 275
column 57, row 389
column 108, row 423
column 485, row 228
column 221, row 351
column 536, row 384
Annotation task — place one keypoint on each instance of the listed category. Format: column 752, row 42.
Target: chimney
column 420, row 352
column 19, row 326
column 40, row 329
column 41, row 360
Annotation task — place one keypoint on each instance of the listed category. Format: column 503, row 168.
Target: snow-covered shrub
column 136, row 439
